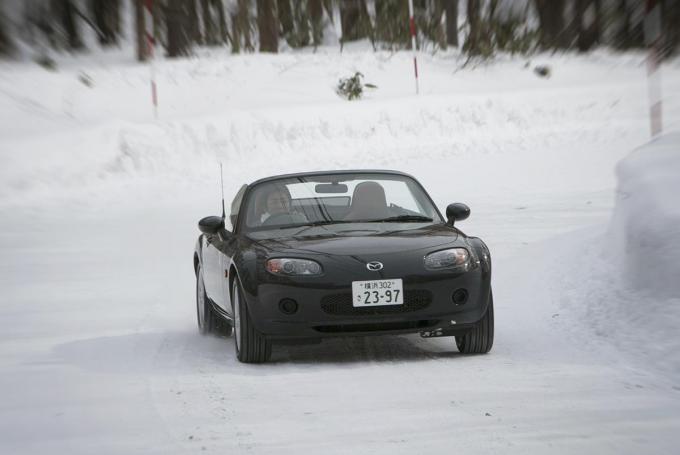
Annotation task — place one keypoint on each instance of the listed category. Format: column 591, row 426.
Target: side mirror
column 211, row 225
column 457, row 212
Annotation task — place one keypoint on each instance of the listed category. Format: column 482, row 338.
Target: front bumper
column 326, row 310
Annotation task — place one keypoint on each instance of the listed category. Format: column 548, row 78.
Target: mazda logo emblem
column 374, row 266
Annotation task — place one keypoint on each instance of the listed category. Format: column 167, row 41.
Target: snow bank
column 646, row 222
column 624, row 283
column 61, row 137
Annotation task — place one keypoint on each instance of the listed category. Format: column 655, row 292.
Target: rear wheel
column 251, row 345
column 480, row 339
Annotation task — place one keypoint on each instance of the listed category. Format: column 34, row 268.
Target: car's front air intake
column 377, row 327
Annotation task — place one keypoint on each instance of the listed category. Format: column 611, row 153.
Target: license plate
column 377, row 293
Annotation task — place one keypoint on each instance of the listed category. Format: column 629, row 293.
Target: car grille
column 341, row 304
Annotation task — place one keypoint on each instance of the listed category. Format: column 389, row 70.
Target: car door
column 229, row 247
column 212, row 268
column 219, row 251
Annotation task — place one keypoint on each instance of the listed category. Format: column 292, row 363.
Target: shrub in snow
column 46, row 62
column 542, row 70
column 352, row 88
column 646, row 223
column 85, row 79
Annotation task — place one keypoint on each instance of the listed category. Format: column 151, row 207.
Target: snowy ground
column 98, row 346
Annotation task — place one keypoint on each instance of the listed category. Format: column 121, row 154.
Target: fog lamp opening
column 288, row 306
column 460, row 296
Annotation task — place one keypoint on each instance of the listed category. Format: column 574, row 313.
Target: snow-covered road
column 98, row 347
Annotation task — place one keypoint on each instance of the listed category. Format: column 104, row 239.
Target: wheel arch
column 233, row 274
column 197, row 254
column 482, row 251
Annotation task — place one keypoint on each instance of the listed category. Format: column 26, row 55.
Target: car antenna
column 222, row 187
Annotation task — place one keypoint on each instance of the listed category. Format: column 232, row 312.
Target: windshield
column 338, row 198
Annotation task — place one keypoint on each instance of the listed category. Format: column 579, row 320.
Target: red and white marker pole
column 652, row 28
column 148, row 29
column 412, row 26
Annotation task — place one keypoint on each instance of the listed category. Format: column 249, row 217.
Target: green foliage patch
column 351, row 88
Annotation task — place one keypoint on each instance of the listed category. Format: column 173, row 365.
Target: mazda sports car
column 302, row 257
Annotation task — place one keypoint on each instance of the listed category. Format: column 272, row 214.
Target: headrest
column 369, row 195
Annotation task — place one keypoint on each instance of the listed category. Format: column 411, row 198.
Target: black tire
column 208, row 321
column 251, row 346
column 480, row 339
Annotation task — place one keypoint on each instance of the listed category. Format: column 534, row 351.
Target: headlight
column 293, row 267
column 453, row 258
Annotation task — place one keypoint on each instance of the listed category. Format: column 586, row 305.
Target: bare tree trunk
column 142, row 51
column 434, row 29
column 244, row 20
column 235, row 34
column 43, row 15
column 194, row 23
column 630, row 34
column 391, row 23
column 222, row 21
column 353, row 16
column 577, row 25
column 178, row 27
column 316, row 17
column 214, row 22
column 209, row 29
column 636, row 32
column 6, row 44
column 285, row 13
column 241, row 27
column 671, row 26
column 451, row 8
column 493, row 5
column 587, row 34
column 66, row 12
column 473, row 39
column 349, row 17
column 551, row 19
column 301, row 19
column 488, row 26
column 268, row 26
column 365, row 22
column 622, row 33
column 597, row 26
column 71, row 26
column 107, row 19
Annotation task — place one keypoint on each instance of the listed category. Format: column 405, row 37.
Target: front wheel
column 480, row 339
column 251, row 345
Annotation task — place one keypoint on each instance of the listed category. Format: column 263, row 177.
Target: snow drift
column 646, row 222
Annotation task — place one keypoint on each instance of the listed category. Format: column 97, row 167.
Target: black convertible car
column 302, row 257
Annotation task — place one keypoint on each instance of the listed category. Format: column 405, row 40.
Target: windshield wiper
column 307, row 226
column 403, row 218
column 323, row 223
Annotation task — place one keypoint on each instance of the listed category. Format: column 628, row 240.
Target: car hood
column 359, row 239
